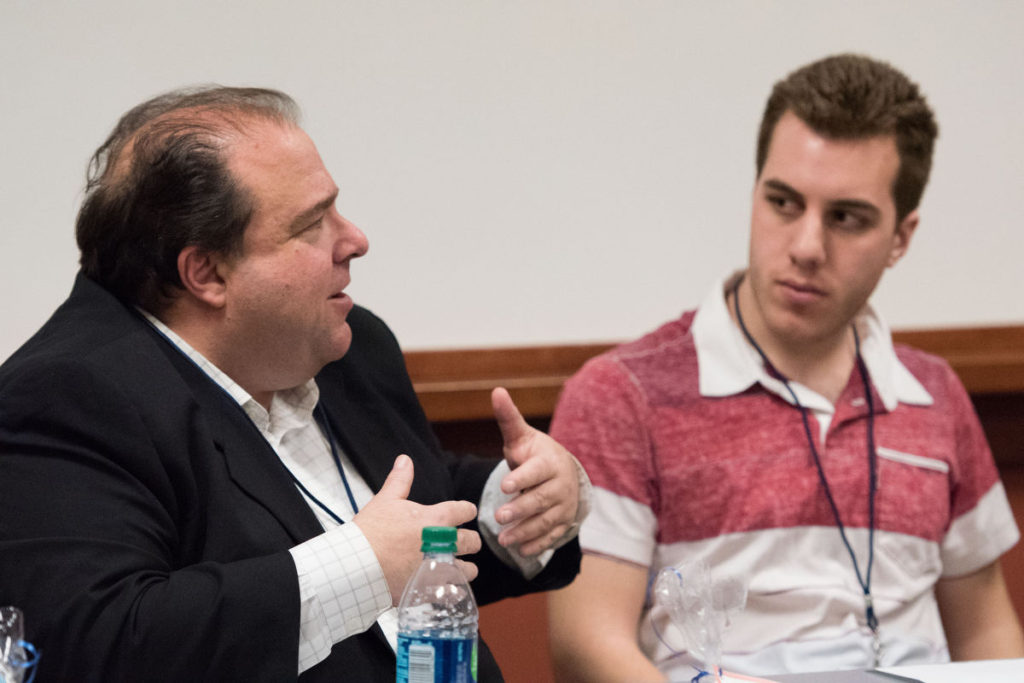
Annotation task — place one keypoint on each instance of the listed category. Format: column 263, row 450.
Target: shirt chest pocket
column 913, row 485
column 911, row 460
column 913, row 502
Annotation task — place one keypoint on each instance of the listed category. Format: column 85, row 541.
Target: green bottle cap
column 439, row 539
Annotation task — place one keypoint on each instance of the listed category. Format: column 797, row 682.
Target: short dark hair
column 852, row 97
column 160, row 183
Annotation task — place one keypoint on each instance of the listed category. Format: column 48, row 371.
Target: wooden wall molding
column 455, row 384
column 988, row 360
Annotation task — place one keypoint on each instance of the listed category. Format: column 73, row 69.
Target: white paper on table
column 730, row 677
column 988, row 671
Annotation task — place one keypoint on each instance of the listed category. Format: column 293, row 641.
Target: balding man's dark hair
column 161, row 183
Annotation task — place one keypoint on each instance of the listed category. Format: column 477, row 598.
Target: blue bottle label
column 422, row 659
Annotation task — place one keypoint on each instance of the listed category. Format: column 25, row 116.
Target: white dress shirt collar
column 289, row 408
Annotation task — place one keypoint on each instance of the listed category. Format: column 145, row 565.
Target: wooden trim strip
column 987, row 359
column 456, row 384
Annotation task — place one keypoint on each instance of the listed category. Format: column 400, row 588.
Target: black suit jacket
column 145, row 523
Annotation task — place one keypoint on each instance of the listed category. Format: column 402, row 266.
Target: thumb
column 399, row 480
column 510, row 420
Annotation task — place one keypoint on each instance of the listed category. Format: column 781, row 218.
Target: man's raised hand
column 545, row 475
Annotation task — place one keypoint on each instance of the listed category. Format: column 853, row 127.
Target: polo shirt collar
column 728, row 364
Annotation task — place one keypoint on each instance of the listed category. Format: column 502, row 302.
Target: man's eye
column 783, row 204
column 309, row 232
column 848, row 220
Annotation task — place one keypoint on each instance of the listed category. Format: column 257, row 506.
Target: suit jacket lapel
column 251, row 462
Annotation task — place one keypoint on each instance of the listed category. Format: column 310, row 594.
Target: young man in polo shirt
column 776, row 433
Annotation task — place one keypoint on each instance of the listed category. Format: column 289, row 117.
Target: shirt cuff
column 342, row 590
column 493, row 498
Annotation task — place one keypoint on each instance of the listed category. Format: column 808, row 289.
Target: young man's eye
column 848, row 220
column 783, row 204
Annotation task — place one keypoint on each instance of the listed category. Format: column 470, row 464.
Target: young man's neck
column 823, row 365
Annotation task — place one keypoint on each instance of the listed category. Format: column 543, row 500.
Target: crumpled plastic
column 700, row 606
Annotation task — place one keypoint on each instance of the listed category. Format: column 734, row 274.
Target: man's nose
column 807, row 247
column 351, row 242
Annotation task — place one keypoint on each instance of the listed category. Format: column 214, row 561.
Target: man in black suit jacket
column 183, row 442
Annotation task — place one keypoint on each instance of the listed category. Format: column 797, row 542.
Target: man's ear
column 901, row 239
column 200, row 273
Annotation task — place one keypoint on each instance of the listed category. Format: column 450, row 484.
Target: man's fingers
column 533, row 527
column 542, row 542
column 468, row 542
column 528, row 474
column 451, row 513
column 539, row 490
column 399, row 481
column 469, row 570
column 535, row 534
column 510, row 420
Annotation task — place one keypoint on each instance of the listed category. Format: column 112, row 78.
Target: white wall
column 528, row 172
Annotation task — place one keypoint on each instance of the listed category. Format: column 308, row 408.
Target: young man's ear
column 200, row 273
column 901, row 239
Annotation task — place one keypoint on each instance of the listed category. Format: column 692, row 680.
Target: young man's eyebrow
column 780, row 186
column 856, row 205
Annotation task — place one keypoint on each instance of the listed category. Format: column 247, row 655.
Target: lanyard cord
column 864, row 581
column 321, row 420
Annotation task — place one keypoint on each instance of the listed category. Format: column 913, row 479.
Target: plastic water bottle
column 437, row 617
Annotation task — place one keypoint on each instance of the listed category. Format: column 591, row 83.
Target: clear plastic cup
column 16, row 656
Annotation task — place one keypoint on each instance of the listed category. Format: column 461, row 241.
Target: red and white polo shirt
column 695, row 452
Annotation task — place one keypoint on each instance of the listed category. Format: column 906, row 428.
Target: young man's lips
column 800, row 291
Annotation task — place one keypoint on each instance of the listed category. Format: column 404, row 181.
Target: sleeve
column 342, row 590
column 602, row 418
column 982, row 525
column 92, row 550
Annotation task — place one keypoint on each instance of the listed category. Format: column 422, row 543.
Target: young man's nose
column 807, row 247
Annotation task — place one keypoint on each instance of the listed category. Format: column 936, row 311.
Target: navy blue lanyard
column 863, row 580
column 321, row 420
